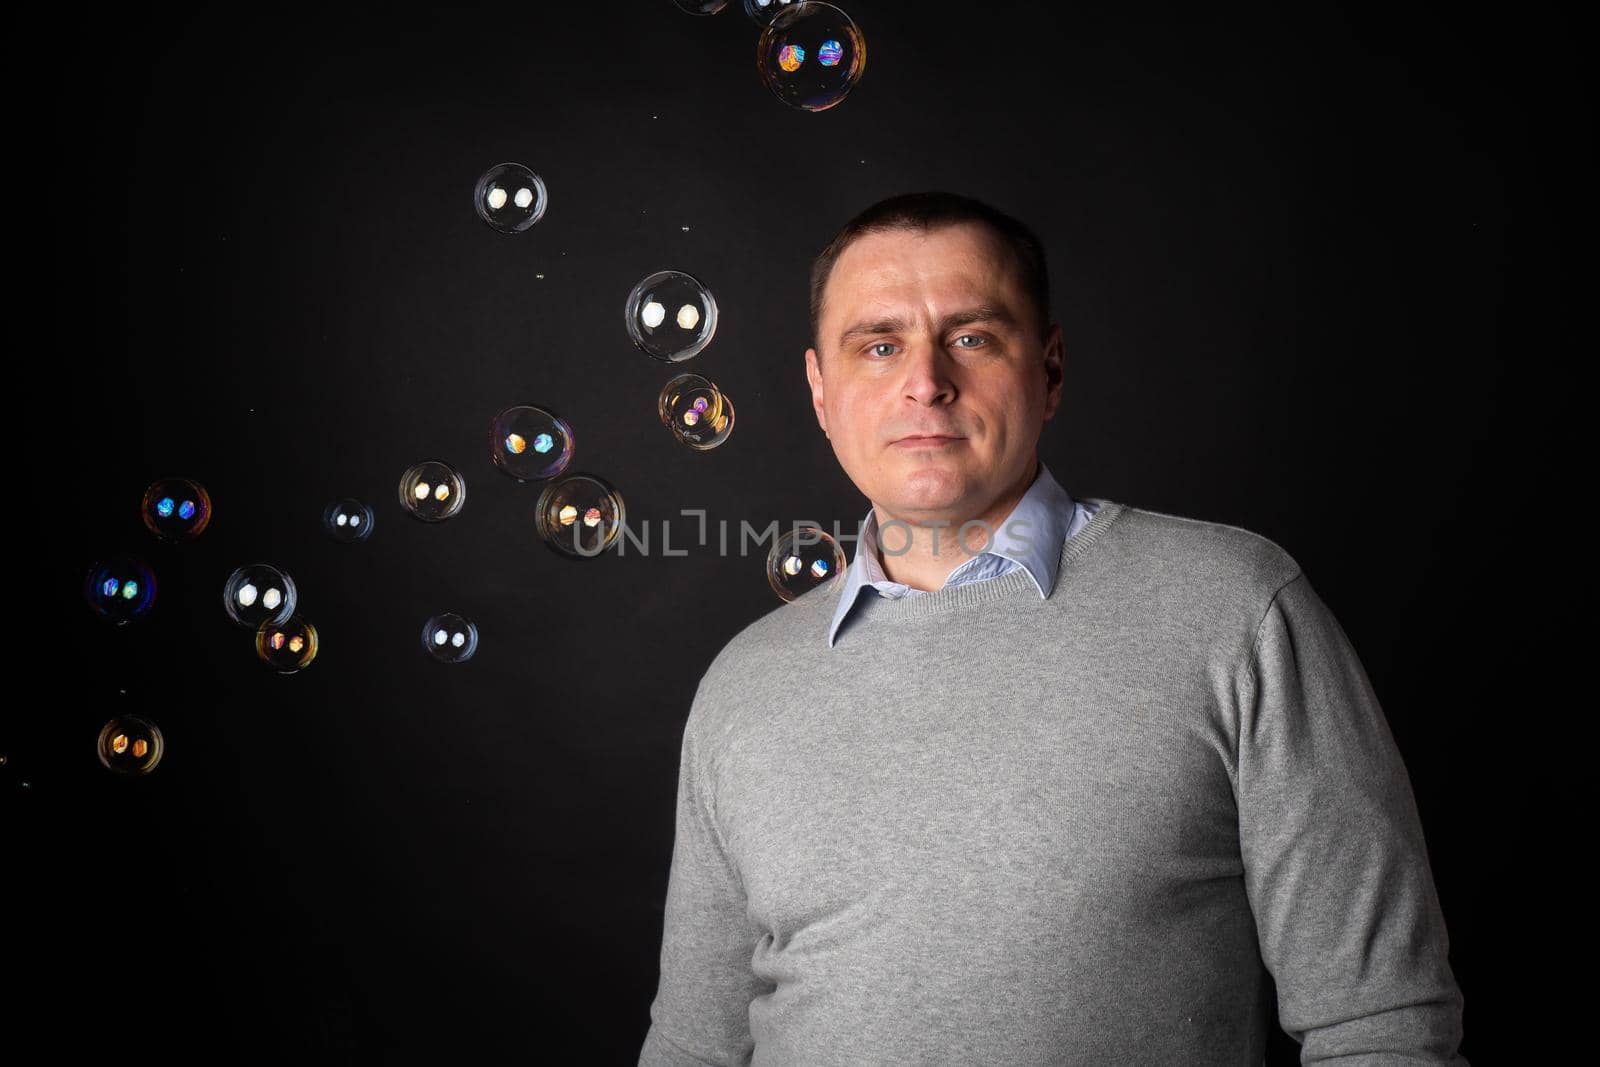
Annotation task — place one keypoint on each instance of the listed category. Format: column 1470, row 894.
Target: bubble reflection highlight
column 803, row 558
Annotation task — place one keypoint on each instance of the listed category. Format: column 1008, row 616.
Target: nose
column 928, row 377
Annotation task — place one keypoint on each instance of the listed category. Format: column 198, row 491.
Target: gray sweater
column 990, row 828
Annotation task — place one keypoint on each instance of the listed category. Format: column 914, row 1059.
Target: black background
column 1293, row 249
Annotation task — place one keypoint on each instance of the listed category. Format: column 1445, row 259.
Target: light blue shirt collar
column 1030, row 536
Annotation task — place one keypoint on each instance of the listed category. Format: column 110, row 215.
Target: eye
column 872, row 349
column 971, row 337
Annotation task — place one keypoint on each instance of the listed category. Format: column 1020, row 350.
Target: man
column 1040, row 781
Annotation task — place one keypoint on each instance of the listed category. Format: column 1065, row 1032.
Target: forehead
column 950, row 264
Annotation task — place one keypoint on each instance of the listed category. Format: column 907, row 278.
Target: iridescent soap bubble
column 432, row 491
column 287, row 646
column 764, row 11
column 530, row 443
column 130, row 745
column 450, row 638
column 671, row 316
column 580, row 515
column 802, row 558
column 811, row 55
column 698, row 413
column 510, row 197
column 259, row 593
column 701, row 7
column 176, row 509
column 348, row 520
column 120, row 589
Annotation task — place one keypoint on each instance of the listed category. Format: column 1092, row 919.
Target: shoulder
column 1185, row 552
column 773, row 648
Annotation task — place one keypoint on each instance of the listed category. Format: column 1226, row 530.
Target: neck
column 921, row 552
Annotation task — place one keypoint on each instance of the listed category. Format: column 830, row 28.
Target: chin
column 926, row 489
column 936, row 465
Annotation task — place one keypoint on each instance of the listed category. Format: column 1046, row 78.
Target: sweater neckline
column 937, row 601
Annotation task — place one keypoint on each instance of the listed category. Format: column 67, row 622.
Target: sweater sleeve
column 700, row 1014
column 1335, row 868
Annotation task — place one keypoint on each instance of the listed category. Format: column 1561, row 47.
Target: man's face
column 932, row 334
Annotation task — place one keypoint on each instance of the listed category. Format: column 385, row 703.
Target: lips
column 928, row 440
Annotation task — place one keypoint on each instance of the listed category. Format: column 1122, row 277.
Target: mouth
column 929, row 441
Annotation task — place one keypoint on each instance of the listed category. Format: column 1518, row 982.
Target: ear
column 814, row 376
column 1054, row 354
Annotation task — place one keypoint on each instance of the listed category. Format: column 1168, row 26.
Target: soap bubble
column 811, row 55
column 764, row 11
column 348, row 520
column 510, row 197
column 176, row 509
column 432, row 491
column 120, row 589
column 130, row 745
column 450, row 638
column 671, row 316
column 580, row 515
column 698, row 413
column 701, row 7
column 287, row 646
column 530, row 443
column 802, row 558
column 257, row 594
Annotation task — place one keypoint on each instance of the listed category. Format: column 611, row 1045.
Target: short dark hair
column 933, row 210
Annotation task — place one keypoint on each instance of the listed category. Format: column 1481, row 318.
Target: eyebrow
column 980, row 313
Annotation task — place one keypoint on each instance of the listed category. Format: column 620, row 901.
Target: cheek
column 1024, row 387
column 1010, row 412
column 850, row 411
